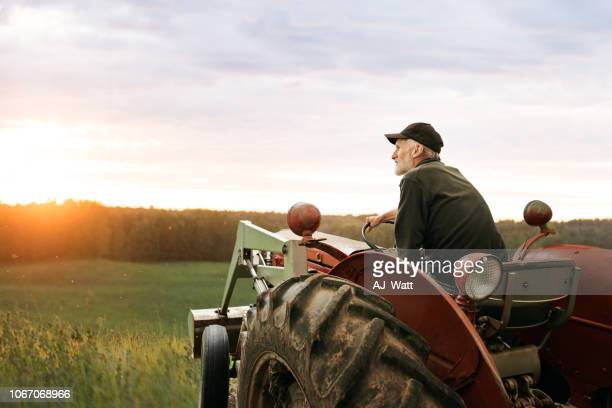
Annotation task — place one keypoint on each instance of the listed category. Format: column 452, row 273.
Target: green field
column 114, row 331
column 123, row 295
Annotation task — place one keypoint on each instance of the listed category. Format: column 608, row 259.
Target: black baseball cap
column 420, row 132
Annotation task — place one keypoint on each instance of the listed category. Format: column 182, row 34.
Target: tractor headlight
column 482, row 278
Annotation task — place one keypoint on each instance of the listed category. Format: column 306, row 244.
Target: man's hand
column 376, row 220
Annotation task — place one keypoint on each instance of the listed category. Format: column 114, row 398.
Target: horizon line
column 61, row 202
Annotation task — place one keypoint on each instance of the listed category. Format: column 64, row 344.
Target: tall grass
column 104, row 367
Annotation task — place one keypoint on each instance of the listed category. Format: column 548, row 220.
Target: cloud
column 564, row 16
column 229, row 91
column 195, row 40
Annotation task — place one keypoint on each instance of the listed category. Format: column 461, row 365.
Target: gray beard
column 399, row 172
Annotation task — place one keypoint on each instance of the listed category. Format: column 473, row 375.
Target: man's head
column 409, row 153
column 417, row 142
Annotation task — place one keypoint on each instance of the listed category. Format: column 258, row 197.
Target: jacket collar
column 429, row 160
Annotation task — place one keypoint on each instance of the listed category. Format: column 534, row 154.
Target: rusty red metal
column 303, row 219
column 323, row 257
column 582, row 348
column 537, row 213
column 468, row 306
column 458, row 356
column 522, row 250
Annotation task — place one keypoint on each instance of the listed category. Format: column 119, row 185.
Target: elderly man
column 438, row 207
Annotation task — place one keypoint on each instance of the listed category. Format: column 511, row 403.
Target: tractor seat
column 533, row 287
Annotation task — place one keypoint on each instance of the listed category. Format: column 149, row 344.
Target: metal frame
column 558, row 315
column 251, row 241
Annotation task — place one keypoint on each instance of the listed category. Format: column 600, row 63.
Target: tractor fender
column 580, row 349
column 458, row 355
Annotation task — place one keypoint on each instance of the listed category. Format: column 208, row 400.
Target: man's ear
column 418, row 150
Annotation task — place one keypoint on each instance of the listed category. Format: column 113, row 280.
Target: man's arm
column 376, row 220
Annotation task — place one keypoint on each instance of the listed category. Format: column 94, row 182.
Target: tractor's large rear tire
column 321, row 341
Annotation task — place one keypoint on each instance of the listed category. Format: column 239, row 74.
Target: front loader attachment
column 252, row 257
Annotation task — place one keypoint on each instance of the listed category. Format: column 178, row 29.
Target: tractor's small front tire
column 320, row 341
column 214, row 387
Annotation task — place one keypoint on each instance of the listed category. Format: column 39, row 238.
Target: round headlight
column 480, row 285
column 483, row 278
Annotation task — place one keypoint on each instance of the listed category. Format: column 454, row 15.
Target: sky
column 258, row 105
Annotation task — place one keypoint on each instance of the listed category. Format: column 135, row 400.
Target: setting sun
column 36, row 163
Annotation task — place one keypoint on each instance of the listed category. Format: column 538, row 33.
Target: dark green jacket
column 440, row 209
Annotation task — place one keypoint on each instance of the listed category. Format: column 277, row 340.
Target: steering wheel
column 364, row 239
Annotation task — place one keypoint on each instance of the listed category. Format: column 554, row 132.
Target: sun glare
column 36, row 165
column 29, row 21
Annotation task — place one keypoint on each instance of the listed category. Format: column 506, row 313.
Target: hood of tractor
column 346, row 245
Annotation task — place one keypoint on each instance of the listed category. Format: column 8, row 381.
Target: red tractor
column 532, row 331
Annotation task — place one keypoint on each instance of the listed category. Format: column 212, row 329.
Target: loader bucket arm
column 250, row 237
column 251, row 241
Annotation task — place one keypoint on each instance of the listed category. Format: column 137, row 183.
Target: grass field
column 114, row 331
column 123, row 295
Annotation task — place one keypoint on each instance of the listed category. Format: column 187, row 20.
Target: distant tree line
column 73, row 229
